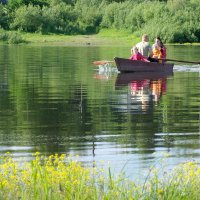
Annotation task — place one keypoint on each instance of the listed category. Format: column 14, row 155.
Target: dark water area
column 54, row 100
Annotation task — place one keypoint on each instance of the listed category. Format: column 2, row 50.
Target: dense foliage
column 173, row 20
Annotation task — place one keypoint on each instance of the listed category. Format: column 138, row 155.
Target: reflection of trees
column 180, row 108
column 45, row 104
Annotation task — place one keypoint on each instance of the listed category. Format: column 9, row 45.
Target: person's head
column 156, row 46
column 134, row 50
column 145, row 38
column 158, row 41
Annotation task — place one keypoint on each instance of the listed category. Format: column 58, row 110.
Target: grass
column 106, row 37
column 57, row 177
column 103, row 38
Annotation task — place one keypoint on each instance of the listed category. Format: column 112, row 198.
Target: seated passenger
column 157, row 52
column 144, row 47
column 136, row 55
column 163, row 50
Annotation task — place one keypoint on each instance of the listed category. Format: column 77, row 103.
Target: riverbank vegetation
column 105, row 37
column 58, row 177
column 175, row 21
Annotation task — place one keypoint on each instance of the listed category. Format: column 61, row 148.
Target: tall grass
column 58, row 177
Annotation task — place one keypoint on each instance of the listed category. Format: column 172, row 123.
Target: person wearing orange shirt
column 159, row 49
column 157, row 52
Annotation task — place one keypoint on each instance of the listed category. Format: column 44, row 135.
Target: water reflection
column 144, row 88
column 53, row 100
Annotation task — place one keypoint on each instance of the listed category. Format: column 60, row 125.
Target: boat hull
column 127, row 65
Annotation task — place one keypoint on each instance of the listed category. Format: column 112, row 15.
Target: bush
column 11, row 37
column 27, row 18
column 3, row 35
column 89, row 15
column 109, row 16
column 15, row 38
column 59, row 18
column 13, row 4
column 4, row 17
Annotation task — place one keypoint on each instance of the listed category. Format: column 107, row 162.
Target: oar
column 183, row 61
column 102, row 62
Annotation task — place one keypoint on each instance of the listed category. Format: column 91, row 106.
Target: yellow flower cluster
column 45, row 177
column 59, row 177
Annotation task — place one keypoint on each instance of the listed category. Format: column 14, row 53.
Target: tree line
column 173, row 20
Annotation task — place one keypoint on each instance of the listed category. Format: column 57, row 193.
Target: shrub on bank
column 13, row 37
column 3, row 35
column 56, row 177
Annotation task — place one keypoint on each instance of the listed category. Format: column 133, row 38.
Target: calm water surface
column 53, row 100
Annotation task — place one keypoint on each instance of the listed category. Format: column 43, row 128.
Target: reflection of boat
column 144, row 88
column 102, row 76
column 125, row 78
column 127, row 65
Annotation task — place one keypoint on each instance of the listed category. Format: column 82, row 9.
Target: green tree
column 27, row 18
column 35, row 2
column 59, row 18
column 4, row 17
column 13, row 4
column 89, row 15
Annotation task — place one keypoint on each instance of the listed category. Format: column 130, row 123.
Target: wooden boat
column 127, row 65
column 126, row 78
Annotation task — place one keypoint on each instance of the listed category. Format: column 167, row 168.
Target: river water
column 54, row 100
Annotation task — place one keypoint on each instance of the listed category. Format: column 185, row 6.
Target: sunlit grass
column 58, row 177
column 38, row 37
column 121, row 35
column 106, row 37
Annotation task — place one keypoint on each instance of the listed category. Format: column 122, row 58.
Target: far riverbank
column 104, row 38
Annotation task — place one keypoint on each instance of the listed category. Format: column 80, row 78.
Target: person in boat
column 144, row 47
column 136, row 55
column 159, row 49
column 157, row 52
